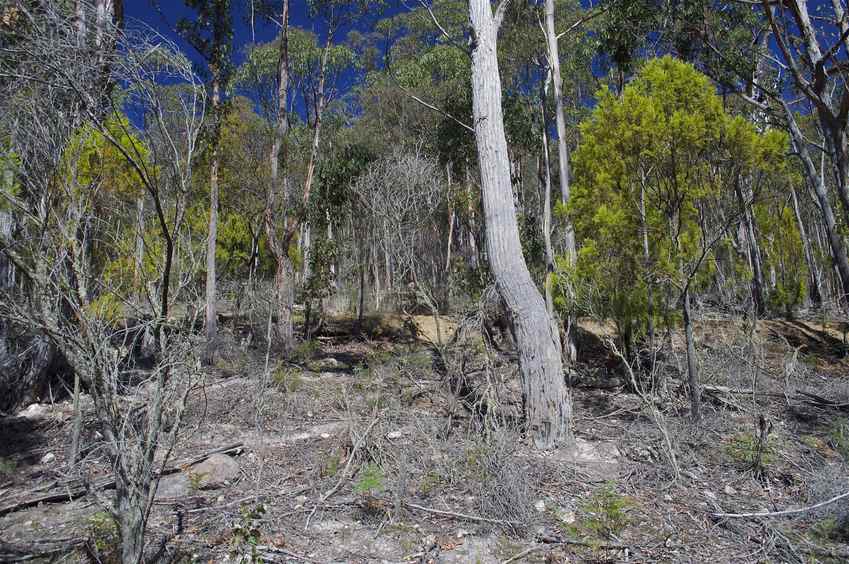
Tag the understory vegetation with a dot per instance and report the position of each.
(431, 281)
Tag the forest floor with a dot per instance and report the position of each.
(359, 452)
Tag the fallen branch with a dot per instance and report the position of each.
(77, 489)
(38, 549)
(284, 552)
(780, 513)
(462, 515)
(356, 448)
(567, 542)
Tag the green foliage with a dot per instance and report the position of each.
(604, 515)
(746, 449)
(838, 437)
(664, 158)
(7, 469)
(370, 480)
(286, 378)
(9, 186)
(103, 535)
(247, 535)
(93, 161)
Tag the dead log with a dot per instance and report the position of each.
(76, 489)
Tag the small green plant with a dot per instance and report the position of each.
(304, 351)
(287, 378)
(838, 437)
(246, 535)
(430, 482)
(103, 534)
(370, 481)
(746, 448)
(604, 515)
(330, 466)
(7, 468)
(196, 480)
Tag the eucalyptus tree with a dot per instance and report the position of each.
(809, 50)
(547, 402)
(211, 34)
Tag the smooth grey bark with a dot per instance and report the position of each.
(545, 181)
(817, 182)
(212, 238)
(692, 363)
(569, 245)
(815, 289)
(547, 401)
(279, 189)
(754, 249)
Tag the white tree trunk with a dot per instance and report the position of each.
(547, 402)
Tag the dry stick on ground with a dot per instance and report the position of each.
(462, 515)
(537, 548)
(344, 476)
(781, 513)
(71, 492)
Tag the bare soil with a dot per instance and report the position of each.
(359, 452)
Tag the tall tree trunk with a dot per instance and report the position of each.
(212, 237)
(547, 402)
(745, 203)
(815, 289)
(545, 181)
(279, 189)
(692, 363)
(563, 160)
(817, 182)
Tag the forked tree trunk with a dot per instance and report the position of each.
(212, 237)
(547, 402)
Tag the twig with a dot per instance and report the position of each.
(71, 491)
(781, 513)
(566, 542)
(344, 476)
(356, 448)
(275, 550)
(462, 515)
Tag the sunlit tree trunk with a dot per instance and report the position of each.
(212, 237)
(278, 189)
(547, 402)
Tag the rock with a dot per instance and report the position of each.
(35, 411)
(393, 435)
(710, 495)
(176, 485)
(667, 497)
(566, 516)
(539, 506)
(729, 490)
(48, 458)
(216, 471)
(325, 435)
(462, 533)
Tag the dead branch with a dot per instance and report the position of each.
(780, 513)
(462, 515)
(76, 489)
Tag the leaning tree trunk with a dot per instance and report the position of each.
(547, 402)
(817, 182)
(212, 237)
